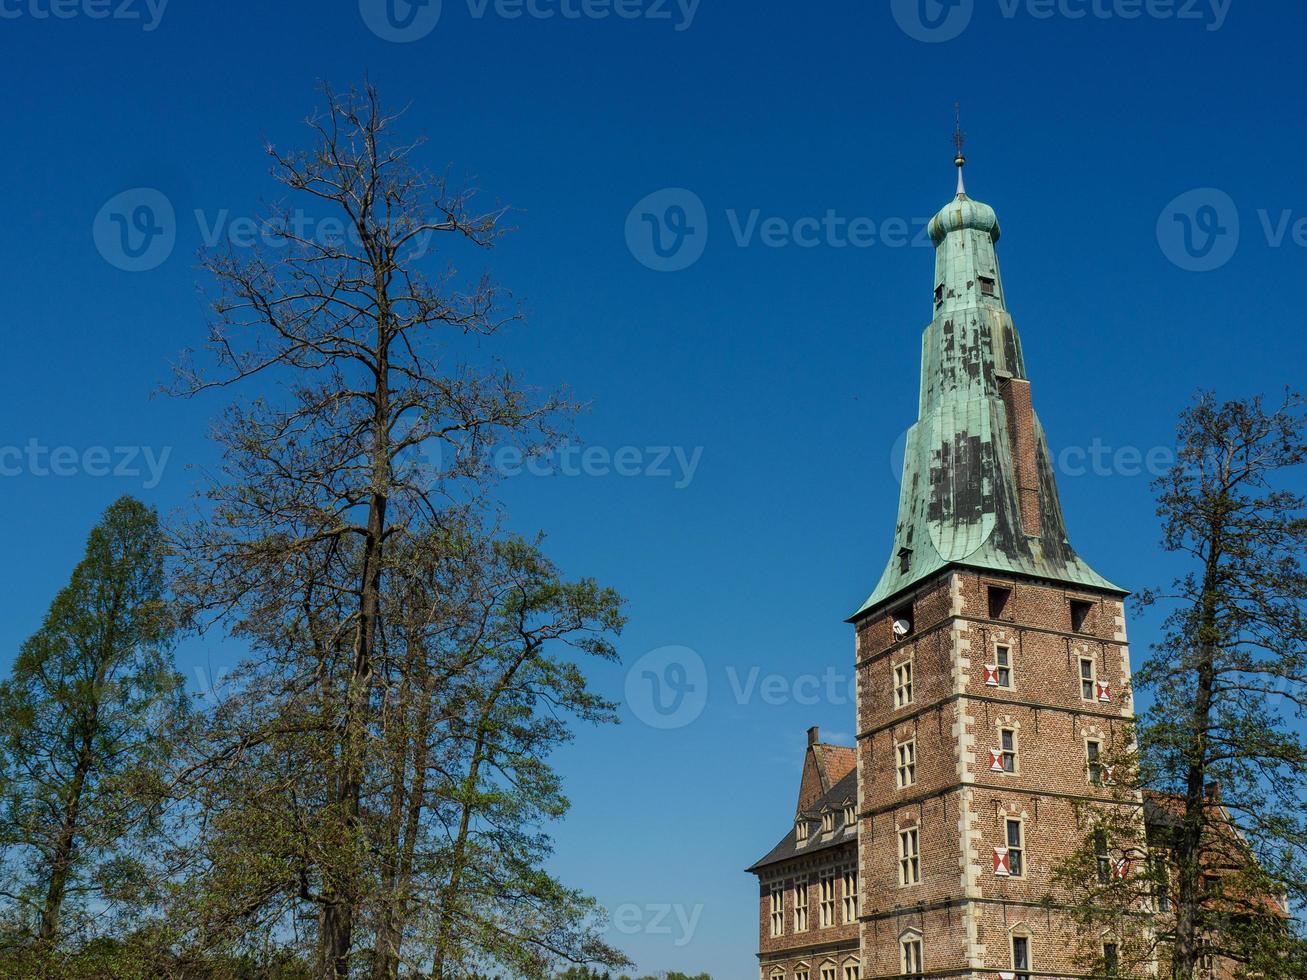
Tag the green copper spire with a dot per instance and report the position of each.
(978, 486)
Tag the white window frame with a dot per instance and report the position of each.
(852, 969)
(826, 906)
(911, 948)
(1095, 771)
(909, 857)
(801, 905)
(1089, 683)
(903, 684)
(829, 971)
(905, 762)
(1019, 971)
(777, 910)
(1001, 668)
(828, 822)
(1010, 756)
(850, 892)
(1016, 855)
(801, 830)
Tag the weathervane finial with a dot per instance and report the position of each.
(959, 138)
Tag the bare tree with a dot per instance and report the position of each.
(364, 440)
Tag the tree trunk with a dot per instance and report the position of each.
(337, 936)
(1188, 934)
(61, 857)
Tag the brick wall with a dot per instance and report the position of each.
(965, 914)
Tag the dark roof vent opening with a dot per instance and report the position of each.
(1080, 611)
(986, 286)
(998, 597)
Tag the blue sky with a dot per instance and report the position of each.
(803, 145)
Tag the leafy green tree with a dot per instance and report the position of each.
(1221, 763)
(87, 719)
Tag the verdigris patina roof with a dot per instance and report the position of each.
(961, 500)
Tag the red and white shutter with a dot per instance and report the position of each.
(1121, 869)
(1002, 868)
(1104, 691)
(996, 761)
(991, 676)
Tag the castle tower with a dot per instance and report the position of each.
(992, 660)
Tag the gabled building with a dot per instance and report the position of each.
(993, 672)
(808, 915)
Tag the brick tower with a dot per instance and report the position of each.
(992, 661)
(993, 675)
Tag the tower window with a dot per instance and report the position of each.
(1016, 850)
(1094, 756)
(801, 830)
(903, 684)
(986, 286)
(1088, 679)
(906, 753)
(1003, 665)
(910, 953)
(1162, 881)
(909, 857)
(1021, 957)
(998, 597)
(828, 822)
(1080, 611)
(1102, 857)
(1008, 749)
(939, 294)
(905, 560)
(850, 816)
